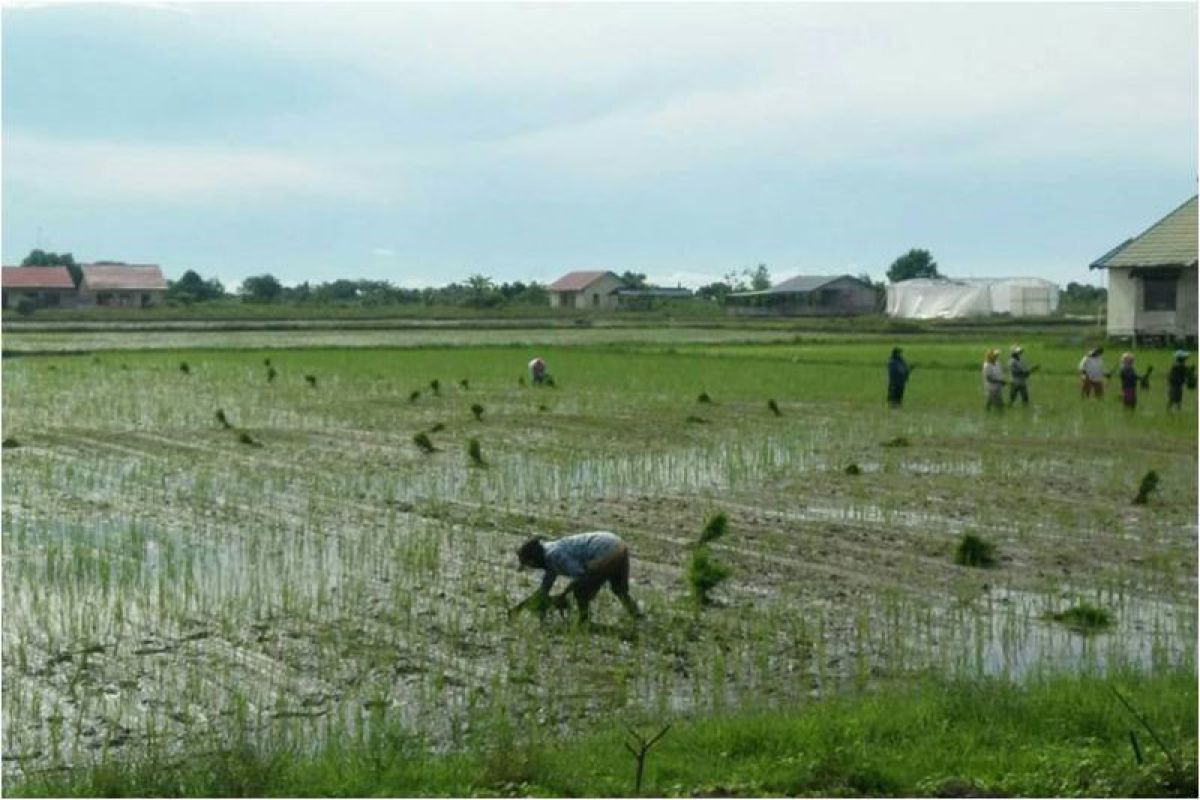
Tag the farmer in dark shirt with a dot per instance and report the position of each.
(1179, 376)
(1130, 380)
(898, 372)
(589, 559)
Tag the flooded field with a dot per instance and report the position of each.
(308, 571)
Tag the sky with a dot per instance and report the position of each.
(423, 143)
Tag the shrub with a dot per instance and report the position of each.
(974, 551)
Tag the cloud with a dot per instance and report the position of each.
(383, 252)
(109, 171)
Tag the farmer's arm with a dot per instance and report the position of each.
(540, 599)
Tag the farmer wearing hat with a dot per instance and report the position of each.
(537, 371)
(589, 559)
(1179, 376)
(1092, 374)
(993, 380)
(1130, 380)
(898, 372)
(1019, 374)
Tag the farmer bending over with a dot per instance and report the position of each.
(589, 559)
(537, 371)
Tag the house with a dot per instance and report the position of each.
(585, 290)
(37, 287)
(1152, 280)
(948, 298)
(650, 297)
(127, 285)
(807, 295)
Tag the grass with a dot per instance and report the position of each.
(1056, 736)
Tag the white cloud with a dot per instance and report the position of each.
(383, 252)
(98, 170)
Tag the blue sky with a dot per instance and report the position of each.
(424, 143)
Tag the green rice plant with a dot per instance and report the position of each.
(705, 574)
(311, 380)
(543, 407)
(771, 404)
(435, 386)
(246, 439)
(974, 551)
(414, 395)
(1084, 618)
(184, 368)
(853, 469)
(703, 398)
(271, 373)
(437, 427)
(1148, 484)
(695, 420)
(221, 418)
(549, 381)
(477, 410)
(10, 442)
(475, 453)
(897, 441)
(424, 443)
(465, 384)
(716, 527)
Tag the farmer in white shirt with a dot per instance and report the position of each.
(589, 559)
(537, 371)
(1092, 374)
(993, 380)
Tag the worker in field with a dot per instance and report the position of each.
(898, 371)
(590, 560)
(537, 371)
(1092, 374)
(1018, 374)
(1130, 380)
(993, 381)
(1180, 375)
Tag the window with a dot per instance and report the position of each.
(1158, 294)
(595, 300)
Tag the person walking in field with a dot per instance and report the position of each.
(590, 560)
(993, 381)
(898, 371)
(1018, 373)
(1130, 380)
(1092, 374)
(537, 371)
(1180, 375)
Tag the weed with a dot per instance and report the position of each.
(898, 441)
(1084, 618)
(422, 441)
(771, 404)
(221, 418)
(1149, 484)
(312, 380)
(246, 439)
(974, 551)
(703, 398)
(853, 469)
(475, 453)
(10, 442)
(477, 410)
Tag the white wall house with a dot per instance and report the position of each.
(1152, 279)
(585, 290)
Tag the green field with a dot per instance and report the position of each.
(170, 588)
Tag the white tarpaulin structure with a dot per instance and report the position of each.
(942, 298)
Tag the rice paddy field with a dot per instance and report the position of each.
(304, 571)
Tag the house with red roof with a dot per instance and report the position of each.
(127, 285)
(37, 287)
(594, 289)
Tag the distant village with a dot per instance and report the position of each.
(1152, 288)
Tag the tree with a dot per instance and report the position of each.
(482, 291)
(40, 258)
(759, 277)
(915, 263)
(191, 288)
(633, 280)
(714, 291)
(261, 289)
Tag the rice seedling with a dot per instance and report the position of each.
(695, 420)
(771, 404)
(10, 442)
(266, 362)
(1149, 484)
(424, 443)
(464, 384)
(474, 453)
(437, 427)
(222, 419)
(246, 439)
(853, 469)
(704, 572)
(435, 386)
(703, 398)
(477, 411)
(271, 373)
(714, 528)
(974, 551)
(543, 407)
(549, 381)
(311, 380)
(184, 368)
(414, 395)
(897, 441)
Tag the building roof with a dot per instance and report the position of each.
(37, 278)
(1170, 242)
(655, 291)
(801, 284)
(123, 277)
(578, 281)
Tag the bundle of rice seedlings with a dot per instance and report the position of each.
(247, 439)
(899, 441)
(464, 384)
(475, 453)
(312, 380)
(435, 386)
(270, 373)
(692, 418)
(703, 398)
(1149, 484)
(414, 395)
(184, 368)
(10, 442)
(715, 528)
(549, 381)
(771, 404)
(423, 442)
(853, 469)
(543, 408)
(1084, 618)
(705, 574)
(975, 551)
(266, 362)
(221, 418)
(477, 410)
(437, 428)
(520, 380)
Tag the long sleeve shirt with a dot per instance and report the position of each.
(1018, 371)
(1092, 368)
(570, 555)
(897, 371)
(993, 377)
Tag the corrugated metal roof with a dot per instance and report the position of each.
(124, 277)
(577, 281)
(1170, 242)
(37, 278)
(801, 284)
